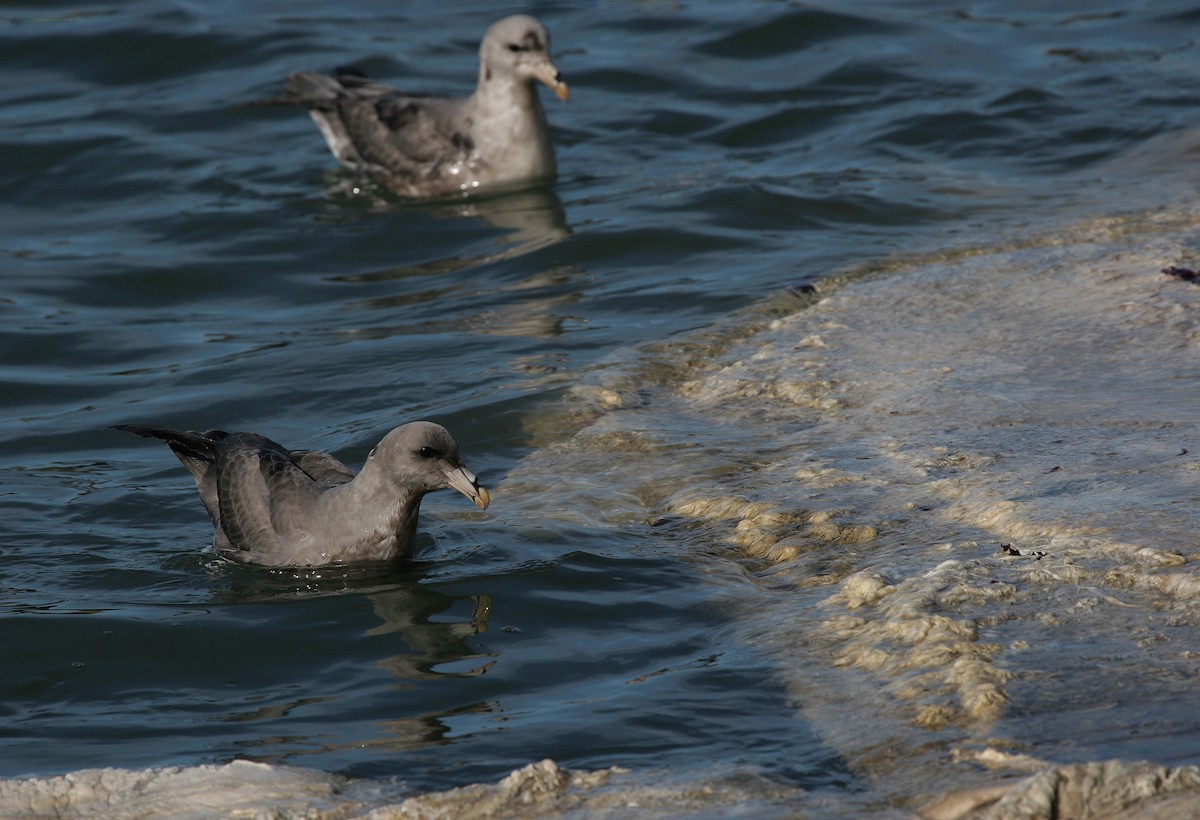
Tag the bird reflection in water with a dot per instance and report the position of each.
(407, 610)
(433, 650)
(531, 218)
(535, 306)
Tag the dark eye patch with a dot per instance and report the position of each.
(427, 452)
(530, 42)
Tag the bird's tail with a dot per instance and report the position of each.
(307, 88)
(197, 446)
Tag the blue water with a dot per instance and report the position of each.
(172, 258)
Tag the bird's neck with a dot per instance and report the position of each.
(388, 521)
(402, 524)
(511, 127)
(495, 95)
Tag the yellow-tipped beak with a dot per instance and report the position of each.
(463, 480)
(549, 76)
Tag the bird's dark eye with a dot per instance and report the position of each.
(514, 48)
(427, 452)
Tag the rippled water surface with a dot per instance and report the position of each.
(172, 258)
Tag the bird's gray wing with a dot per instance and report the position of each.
(374, 127)
(262, 494)
(321, 467)
(423, 132)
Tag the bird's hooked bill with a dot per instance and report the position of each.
(549, 76)
(463, 480)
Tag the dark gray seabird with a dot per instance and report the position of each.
(278, 507)
(424, 146)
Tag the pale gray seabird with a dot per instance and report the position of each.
(278, 507)
(425, 146)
